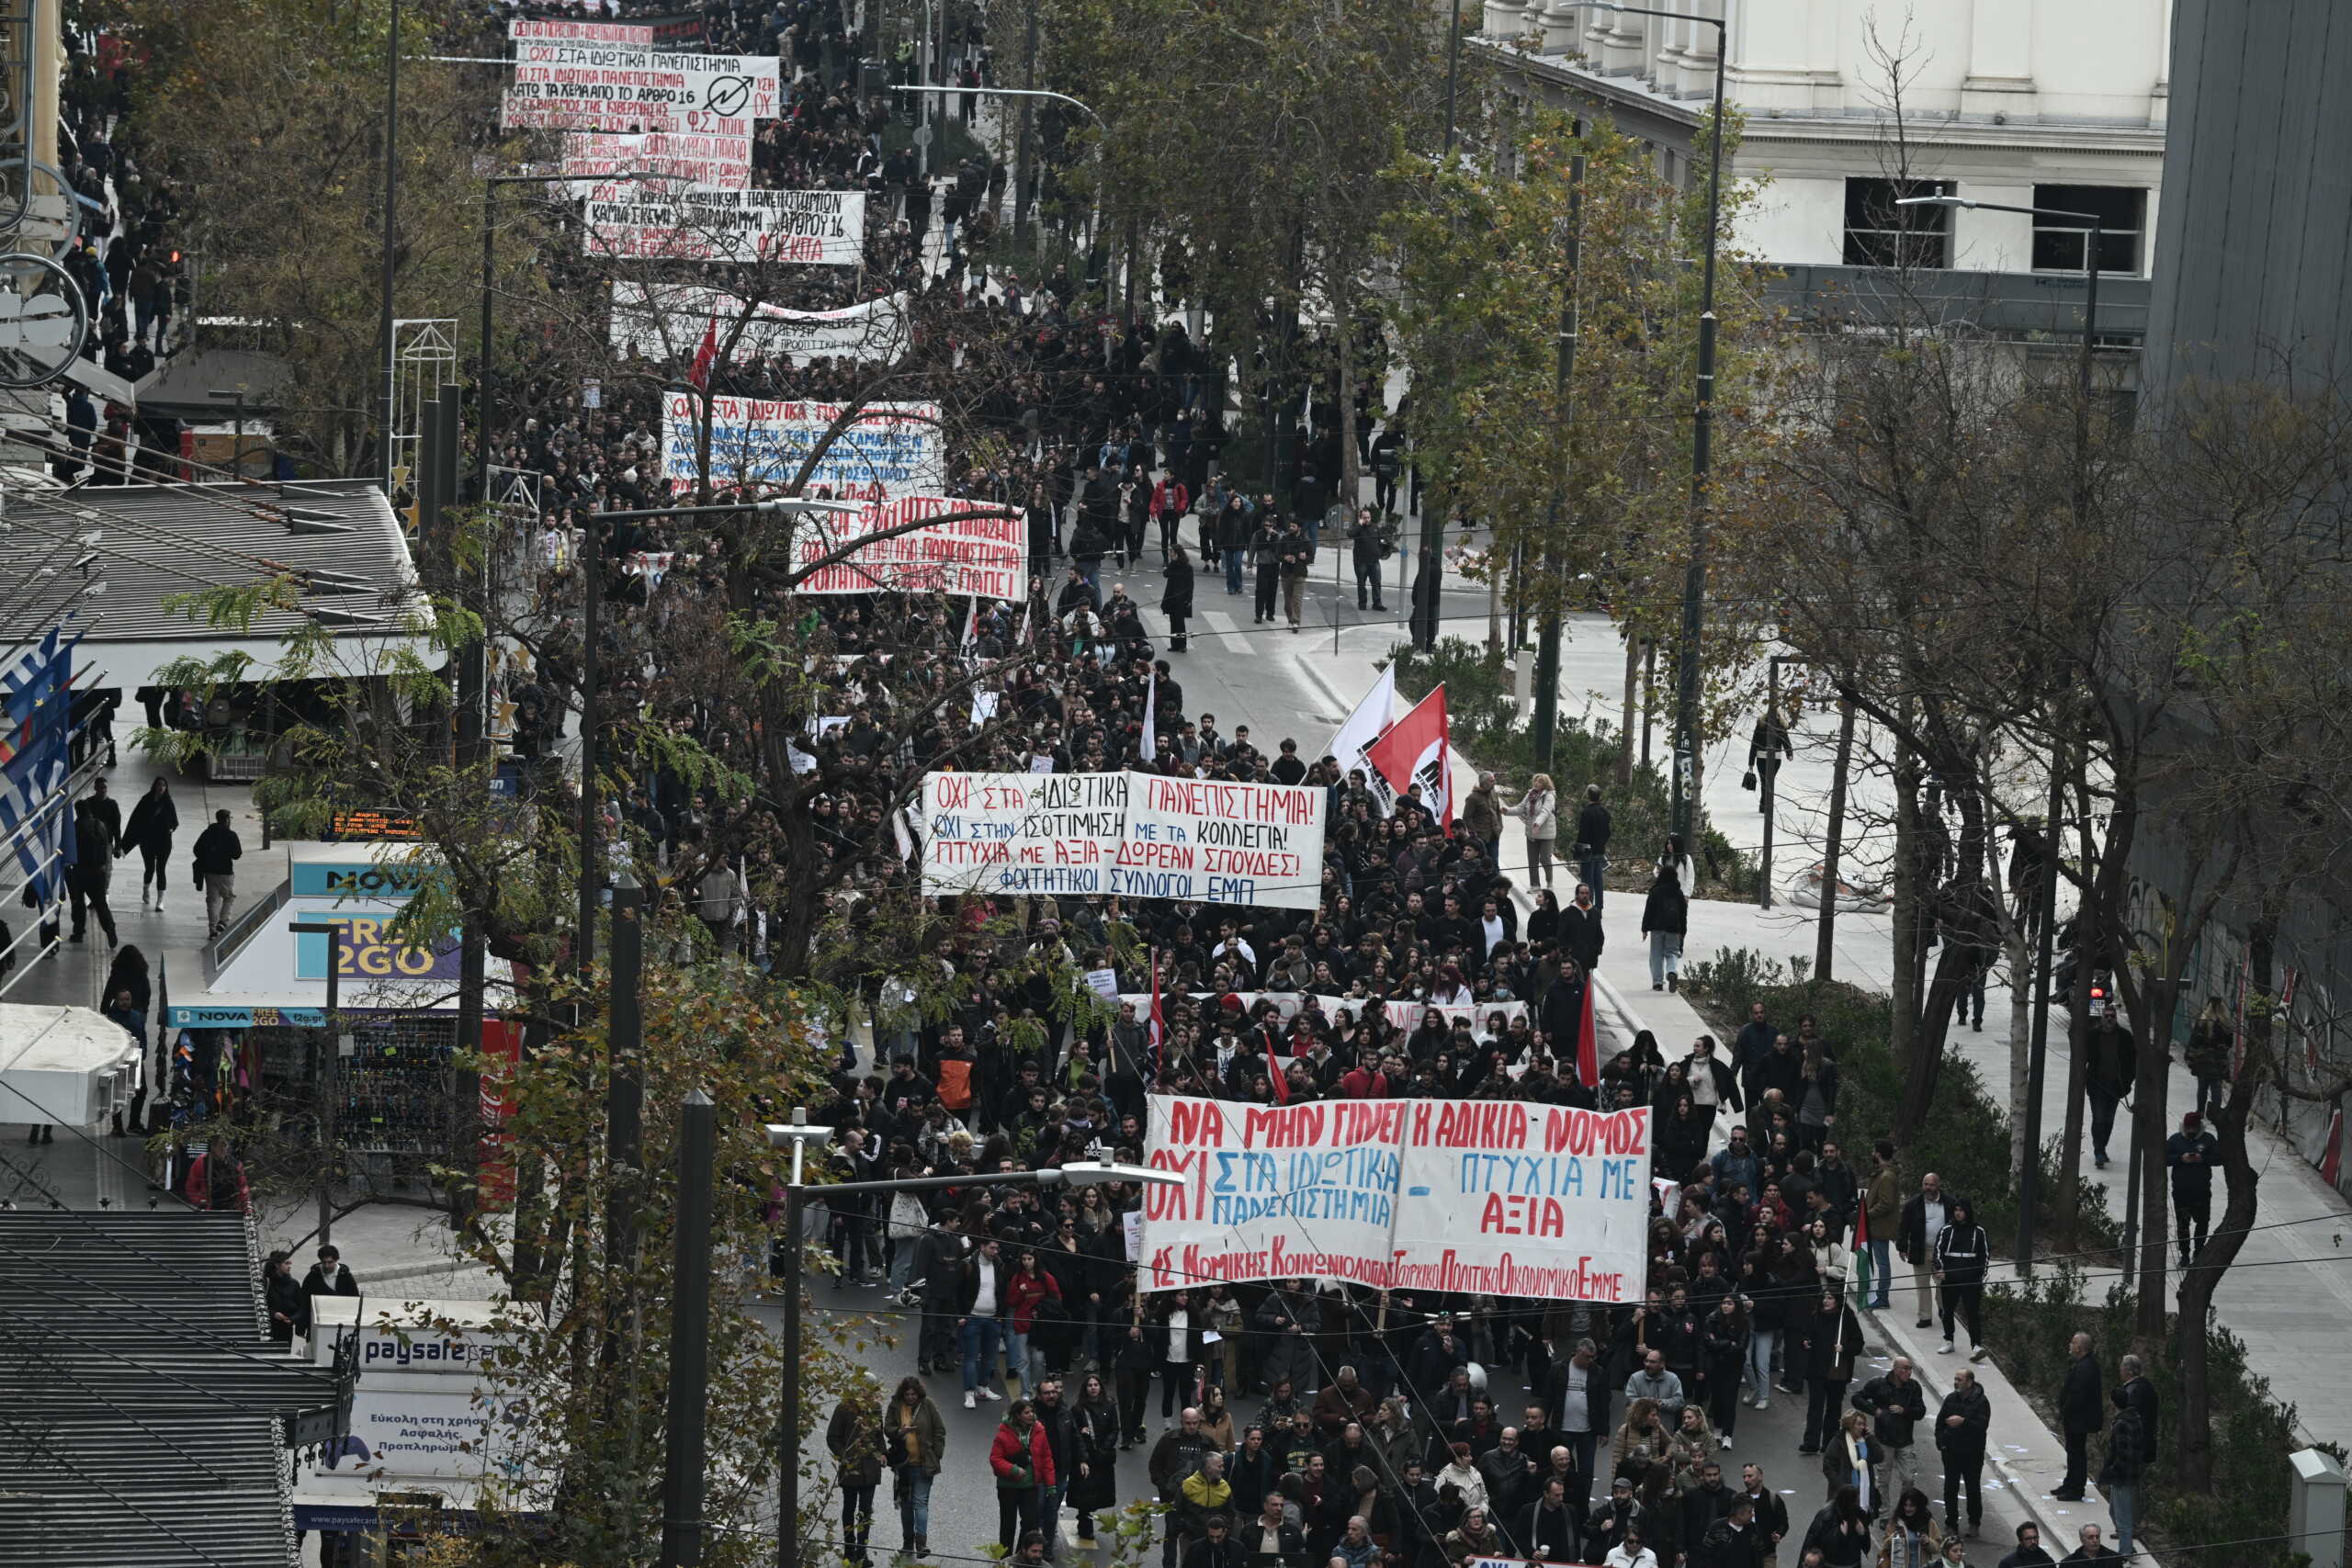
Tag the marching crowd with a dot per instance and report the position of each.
(1299, 1422)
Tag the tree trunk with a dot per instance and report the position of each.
(1826, 942)
(1625, 729)
(2193, 1457)
(1904, 992)
(2021, 983)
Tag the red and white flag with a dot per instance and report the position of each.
(1414, 751)
(704, 357)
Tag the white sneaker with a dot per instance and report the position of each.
(1727, 1440)
(969, 1403)
(1944, 1348)
(991, 1396)
(1763, 1405)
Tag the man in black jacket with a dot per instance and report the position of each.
(1895, 1404)
(1962, 1424)
(1732, 1541)
(329, 1276)
(218, 850)
(2082, 1408)
(1581, 934)
(1592, 844)
(1546, 1530)
(1266, 558)
(2109, 1066)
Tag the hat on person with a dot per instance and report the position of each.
(2191, 1121)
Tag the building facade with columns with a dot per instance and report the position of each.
(2030, 102)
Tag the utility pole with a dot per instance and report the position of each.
(1547, 654)
(329, 1068)
(2038, 1054)
(1825, 943)
(685, 1453)
(391, 233)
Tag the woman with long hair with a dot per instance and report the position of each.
(914, 1440)
(1094, 1451)
(1723, 1351)
(1912, 1539)
(1841, 1531)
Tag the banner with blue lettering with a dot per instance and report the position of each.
(1495, 1197)
(1130, 835)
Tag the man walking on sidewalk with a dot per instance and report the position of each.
(1895, 1404)
(218, 850)
(1592, 845)
(1884, 1201)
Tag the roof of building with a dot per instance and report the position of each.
(144, 1414)
(156, 542)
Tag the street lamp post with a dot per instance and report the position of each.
(2029, 1179)
(798, 1134)
(330, 1066)
(1702, 432)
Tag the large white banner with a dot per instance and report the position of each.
(1496, 1197)
(1125, 835)
(667, 321)
(722, 163)
(819, 227)
(888, 450)
(987, 556)
(666, 91)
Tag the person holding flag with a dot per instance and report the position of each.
(1418, 749)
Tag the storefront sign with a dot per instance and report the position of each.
(367, 951)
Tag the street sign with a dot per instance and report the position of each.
(922, 135)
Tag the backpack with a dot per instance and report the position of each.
(956, 1084)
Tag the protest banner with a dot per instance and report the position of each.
(1511, 1198)
(982, 556)
(1271, 1192)
(818, 228)
(1021, 832)
(666, 322)
(563, 29)
(568, 72)
(1222, 843)
(1150, 836)
(693, 158)
(1488, 1197)
(888, 450)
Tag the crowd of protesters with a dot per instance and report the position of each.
(1298, 1421)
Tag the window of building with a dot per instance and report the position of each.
(2122, 212)
(1879, 234)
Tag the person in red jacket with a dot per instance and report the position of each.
(1022, 1458)
(1028, 1286)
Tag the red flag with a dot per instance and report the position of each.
(1414, 751)
(1587, 1040)
(1275, 1070)
(700, 375)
